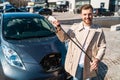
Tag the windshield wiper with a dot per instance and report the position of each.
(12, 38)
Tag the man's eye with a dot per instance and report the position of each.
(90, 14)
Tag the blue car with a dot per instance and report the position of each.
(30, 49)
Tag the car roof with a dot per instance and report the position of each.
(44, 9)
(20, 14)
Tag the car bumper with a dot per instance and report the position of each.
(13, 73)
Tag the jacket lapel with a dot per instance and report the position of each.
(90, 37)
(83, 35)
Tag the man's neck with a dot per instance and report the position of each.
(86, 25)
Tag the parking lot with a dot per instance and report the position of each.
(110, 65)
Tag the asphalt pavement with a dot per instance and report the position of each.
(110, 65)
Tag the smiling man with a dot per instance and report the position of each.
(90, 37)
(87, 15)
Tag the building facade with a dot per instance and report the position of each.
(100, 3)
(75, 4)
(112, 5)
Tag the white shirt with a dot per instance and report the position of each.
(81, 62)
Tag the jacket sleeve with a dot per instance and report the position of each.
(101, 46)
(62, 35)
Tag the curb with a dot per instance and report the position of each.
(115, 27)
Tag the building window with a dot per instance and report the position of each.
(102, 5)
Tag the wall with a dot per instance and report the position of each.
(71, 5)
(96, 3)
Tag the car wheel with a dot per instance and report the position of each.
(112, 14)
(95, 16)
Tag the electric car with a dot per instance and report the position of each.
(30, 49)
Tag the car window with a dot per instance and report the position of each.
(104, 10)
(47, 9)
(95, 10)
(24, 28)
(41, 9)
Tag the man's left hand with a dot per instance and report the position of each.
(94, 64)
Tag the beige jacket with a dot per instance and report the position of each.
(95, 44)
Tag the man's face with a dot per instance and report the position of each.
(87, 16)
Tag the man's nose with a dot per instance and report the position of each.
(87, 16)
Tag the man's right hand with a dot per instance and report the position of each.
(54, 21)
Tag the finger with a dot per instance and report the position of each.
(94, 66)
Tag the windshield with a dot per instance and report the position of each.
(24, 28)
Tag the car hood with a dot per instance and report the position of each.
(33, 50)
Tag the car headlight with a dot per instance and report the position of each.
(12, 57)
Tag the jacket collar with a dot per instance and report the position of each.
(81, 26)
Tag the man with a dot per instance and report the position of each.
(90, 38)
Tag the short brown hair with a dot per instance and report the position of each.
(86, 6)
